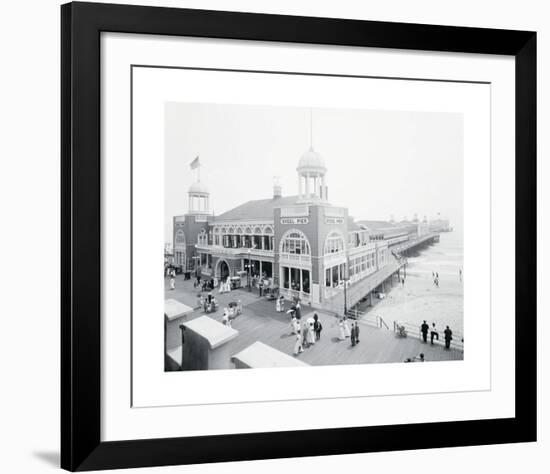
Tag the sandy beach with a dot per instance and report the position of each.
(420, 298)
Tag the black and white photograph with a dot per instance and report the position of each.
(346, 197)
(308, 236)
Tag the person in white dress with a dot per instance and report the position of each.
(310, 332)
(278, 305)
(341, 333)
(298, 348)
(172, 283)
(347, 331)
(293, 327)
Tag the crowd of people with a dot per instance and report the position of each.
(307, 332)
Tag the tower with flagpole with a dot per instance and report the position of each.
(198, 194)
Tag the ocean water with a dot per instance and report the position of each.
(420, 299)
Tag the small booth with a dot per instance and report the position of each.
(173, 309)
(261, 356)
(205, 344)
(235, 282)
(174, 314)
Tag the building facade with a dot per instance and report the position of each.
(309, 248)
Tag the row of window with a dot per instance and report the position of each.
(364, 264)
(246, 230)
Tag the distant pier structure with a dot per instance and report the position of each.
(402, 239)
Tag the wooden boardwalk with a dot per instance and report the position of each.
(260, 322)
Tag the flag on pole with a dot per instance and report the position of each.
(195, 163)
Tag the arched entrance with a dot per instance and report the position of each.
(222, 269)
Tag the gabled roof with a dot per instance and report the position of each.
(259, 209)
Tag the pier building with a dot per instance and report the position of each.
(303, 244)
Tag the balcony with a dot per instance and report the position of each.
(231, 251)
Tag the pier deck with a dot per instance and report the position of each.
(260, 322)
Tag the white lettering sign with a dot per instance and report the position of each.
(294, 220)
(334, 220)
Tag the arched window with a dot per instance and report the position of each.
(295, 242)
(216, 230)
(334, 243)
(248, 231)
(203, 238)
(257, 231)
(268, 230)
(239, 230)
(180, 237)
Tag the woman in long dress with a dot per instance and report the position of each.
(298, 345)
(293, 327)
(341, 333)
(278, 305)
(310, 333)
(347, 331)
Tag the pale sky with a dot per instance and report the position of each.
(379, 162)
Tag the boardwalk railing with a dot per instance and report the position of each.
(401, 328)
(373, 320)
(404, 329)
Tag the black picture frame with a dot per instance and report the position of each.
(81, 25)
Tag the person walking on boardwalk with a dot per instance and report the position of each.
(424, 328)
(298, 310)
(357, 332)
(293, 328)
(341, 333)
(172, 283)
(317, 326)
(352, 334)
(311, 332)
(433, 333)
(278, 305)
(448, 337)
(305, 329)
(347, 332)
(298, 346)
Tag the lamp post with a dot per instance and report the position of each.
(248, 270)
(346, 279)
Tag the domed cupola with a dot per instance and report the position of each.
(199, 198)
(311, 161)
(311, 177)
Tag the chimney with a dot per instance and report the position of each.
(277, 189)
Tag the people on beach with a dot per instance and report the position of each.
(420, 358)
(424, 328)
(352, 335)
(448, 337)
(356, 332)
(433, 333)
(317, 326)
(403, 282)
